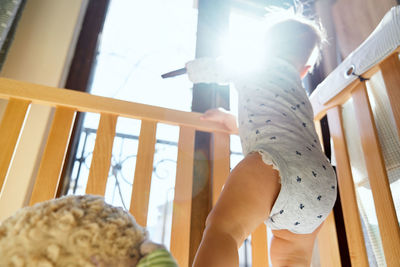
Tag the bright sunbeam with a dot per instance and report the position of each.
(243, 49)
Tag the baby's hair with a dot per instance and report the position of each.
(290, 33)
(70, 231)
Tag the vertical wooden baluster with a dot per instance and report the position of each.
(259, 246)
(102, 153)
(390, 68)
(351, 215)
(221, 163)
(48, 177)
(10, 130)
(328, 244)
(143, 172)
(180, 232)
(318, 129)
(386, 214)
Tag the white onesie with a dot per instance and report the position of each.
(276, 120)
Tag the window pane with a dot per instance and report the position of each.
(140, 41)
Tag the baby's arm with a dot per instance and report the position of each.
(207, 70)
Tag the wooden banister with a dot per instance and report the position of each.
(320, 107)
(385, 211)
(102, 152)
(52, 162)
(85, 102)
(181, 215)
(10, 130)
(67, 102)
(351, 216)
(143, 172)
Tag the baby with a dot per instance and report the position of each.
(77, 231)
(284, 180)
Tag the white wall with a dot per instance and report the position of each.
(40, 53)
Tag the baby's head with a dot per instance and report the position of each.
(74, 231)
(297, 39)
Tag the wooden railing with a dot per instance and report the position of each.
(386, 214)
(21, 95)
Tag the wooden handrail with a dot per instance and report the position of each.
(85, 102)
(320, 108)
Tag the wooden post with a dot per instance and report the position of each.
(259, 246)
(328, 244)
(351, 215)
(384, 207)
(181, 215)
(390, 68)
(10, 130)
(102, 155)
(221, 163)
(48, 177)
(143, 172)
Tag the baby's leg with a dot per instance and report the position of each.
(245, 203)
(294, 250)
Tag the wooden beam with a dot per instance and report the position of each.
(384, 207)
(48, 177)
(351, 215)
(143, 172)
(10, 131)
(221, 153)
(390, 68)
(328, 244)
(102, 153)
(259, 246)
(321, 106)
(84, 102)
(181, 215)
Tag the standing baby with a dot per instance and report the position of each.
(284, 180)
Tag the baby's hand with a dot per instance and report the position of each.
(222, 116)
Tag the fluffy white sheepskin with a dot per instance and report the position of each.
(71, 231)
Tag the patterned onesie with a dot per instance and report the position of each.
(276, 120)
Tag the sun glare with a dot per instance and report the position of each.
(243, 48)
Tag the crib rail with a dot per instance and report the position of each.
(386, 214)
(21, 95)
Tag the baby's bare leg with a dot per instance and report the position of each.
(245, 203)
(294, 250)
